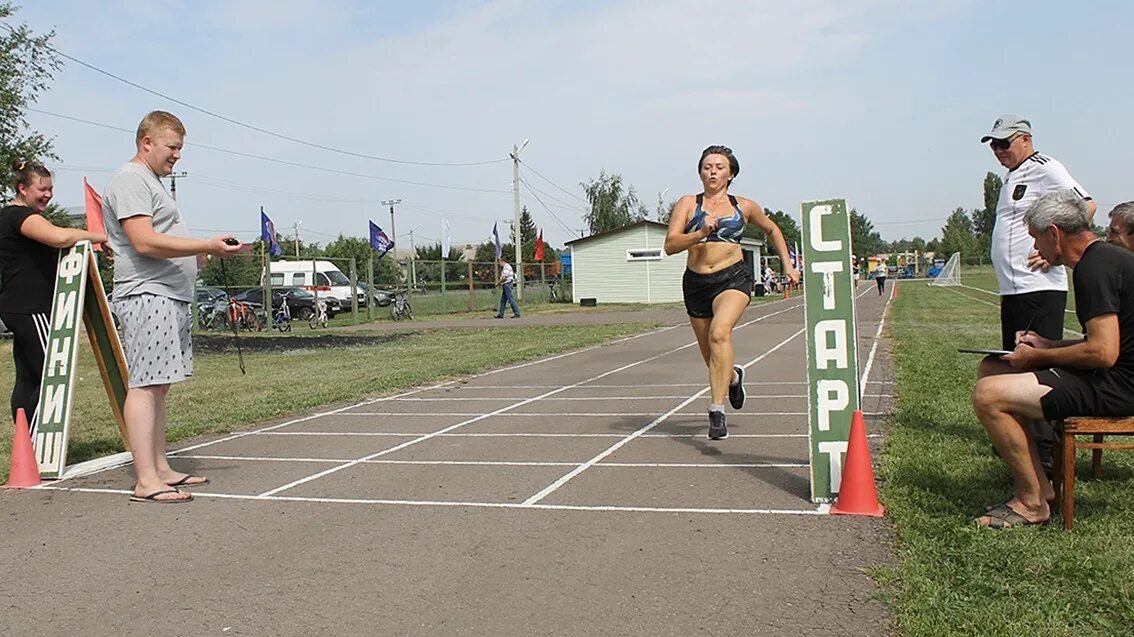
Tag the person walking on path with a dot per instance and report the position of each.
(154, 272)
(29, 256)
(717, 284)
(880, 274)
(507, 297)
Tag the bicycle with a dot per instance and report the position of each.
(243, 316)
(319, 318)
(400, 307)
(281, 320)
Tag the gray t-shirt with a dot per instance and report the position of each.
(135, 190)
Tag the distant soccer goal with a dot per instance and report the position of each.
(951, 273)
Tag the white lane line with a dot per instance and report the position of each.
(459, 399)
(511, 463)
(820, 510)
(551, 488)
(634, 386)
(561, 414)
(494, 434)
(874, 346)
(428, 436)
(1066, 330)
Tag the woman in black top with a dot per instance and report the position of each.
(29, 254)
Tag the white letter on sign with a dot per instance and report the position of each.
(835, 352)
(65, 310)
(817, 241)
(828, 269)
(834, 450)
(71, 265)
(51, 411)
(833, 396)
(58, 357)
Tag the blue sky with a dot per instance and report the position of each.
(880, 102)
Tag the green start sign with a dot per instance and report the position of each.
(832, 355)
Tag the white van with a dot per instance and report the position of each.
(321, 276)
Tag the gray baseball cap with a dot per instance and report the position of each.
(1007, 126)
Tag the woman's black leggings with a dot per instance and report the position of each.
(29, 346)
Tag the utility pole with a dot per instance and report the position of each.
(516, 211)
(297, 239)
(173, 183)
(413, 261)
(393, 232)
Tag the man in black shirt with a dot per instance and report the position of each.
(1093, 376)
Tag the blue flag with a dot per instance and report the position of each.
(268, 235)
(496, 238)
(379, 242)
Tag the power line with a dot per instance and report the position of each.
(553, 215)
(562, 204)
(282, 161)
(569, 193)
(264, 130)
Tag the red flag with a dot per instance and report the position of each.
(539, 247)
(94, 212)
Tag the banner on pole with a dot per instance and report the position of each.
(832, 354)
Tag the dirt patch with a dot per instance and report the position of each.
(217, 343)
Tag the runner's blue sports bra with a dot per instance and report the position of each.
(729, 230)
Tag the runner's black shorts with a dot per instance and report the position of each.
(1086, 392)
(701, 289)
(1016, 310)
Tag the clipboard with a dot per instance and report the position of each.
(990, 352)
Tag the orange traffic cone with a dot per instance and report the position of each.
(857, 494)
(25, 470)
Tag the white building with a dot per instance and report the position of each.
(629, 265)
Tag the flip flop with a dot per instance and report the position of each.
(185, 482)
(1005, 517)
(153, 497)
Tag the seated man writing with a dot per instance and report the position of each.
(1053, 380)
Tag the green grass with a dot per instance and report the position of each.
(938, 473)
(219, 398)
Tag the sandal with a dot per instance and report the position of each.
(1005, 517)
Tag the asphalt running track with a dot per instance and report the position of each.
(574, 495)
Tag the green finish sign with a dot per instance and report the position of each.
(78, 296)
(832, 354)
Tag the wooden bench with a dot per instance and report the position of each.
(1063, 471)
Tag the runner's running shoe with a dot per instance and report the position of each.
(736, 392)
(718, 430)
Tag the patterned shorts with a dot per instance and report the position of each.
(155, 332)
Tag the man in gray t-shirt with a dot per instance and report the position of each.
(154, 272)
(133, 190)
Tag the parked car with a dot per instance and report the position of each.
(210, 295)
(382, 297)
(300, 302)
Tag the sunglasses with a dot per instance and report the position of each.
(1002, 144)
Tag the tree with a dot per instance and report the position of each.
(984, 219)
(613, 204)
(788, 227)
(664, 213)
(528, 233)
(58, 215)
(865, 241)
(957, 235)
(27, 64)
